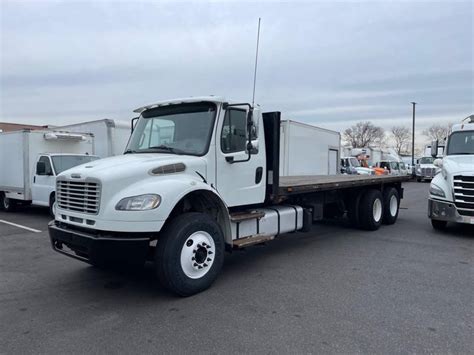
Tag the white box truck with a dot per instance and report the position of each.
(300, 141)
(201, 176)
(452, 188)
(110, 137)
(30, 161)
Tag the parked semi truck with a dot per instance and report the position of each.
(30, 161)
(201, 176)
(452, 189)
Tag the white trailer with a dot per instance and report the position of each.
(308, 150)
(30, 161)
(110, 137)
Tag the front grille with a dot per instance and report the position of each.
(464, 194)
(78, 196)
(428, 172)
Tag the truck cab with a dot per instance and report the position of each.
(451, 196)
(48, 166)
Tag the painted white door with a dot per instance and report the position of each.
(332, 162)
(239, 181)
(43, 183)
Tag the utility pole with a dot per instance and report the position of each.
(413, 143)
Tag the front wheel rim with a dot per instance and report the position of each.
(393, 205)
(6, 203)
(377, 210)
(198, 254)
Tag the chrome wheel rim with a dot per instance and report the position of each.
(393, 205)
(198, 254)
(377, 210)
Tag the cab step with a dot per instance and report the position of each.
(244, 216)
(256, 239)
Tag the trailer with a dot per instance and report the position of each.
(111, 137)
(204, 175)
(30, 161)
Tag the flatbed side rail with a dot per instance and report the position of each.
(294, 185)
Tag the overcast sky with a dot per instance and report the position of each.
(327, 63)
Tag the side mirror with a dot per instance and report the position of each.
(438, 163)
(434, 148)
(254, 147)
(40, 168)
(133, 123)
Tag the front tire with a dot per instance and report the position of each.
(439, 225)
(371, 210)
(391, 205)
(52, 207)
(6, 204)
(189, 253)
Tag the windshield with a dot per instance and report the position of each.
(461, 143)
(427, 160)
(355, 162)
(64, 162)
(176, 129)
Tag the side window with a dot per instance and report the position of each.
(234, 131)
(47, 164)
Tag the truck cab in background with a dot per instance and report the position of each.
(451, 196)
(31, 160)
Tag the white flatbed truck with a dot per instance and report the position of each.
(30, 161)
(201, 176)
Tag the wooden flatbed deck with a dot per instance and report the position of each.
(291, 185)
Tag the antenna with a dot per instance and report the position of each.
(256, 60)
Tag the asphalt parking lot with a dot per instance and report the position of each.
(402, 289)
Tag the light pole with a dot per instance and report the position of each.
(413, 143)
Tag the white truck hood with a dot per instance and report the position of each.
(124, 167)
(454, 164)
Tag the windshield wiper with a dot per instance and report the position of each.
(166, 148)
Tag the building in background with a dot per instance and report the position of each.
(8, 127)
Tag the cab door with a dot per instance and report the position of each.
(239, 180)
(43, 182)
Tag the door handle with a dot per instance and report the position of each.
(258, 175)
(34, 179)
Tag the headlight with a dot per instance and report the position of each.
(139, 203)
(436, 191)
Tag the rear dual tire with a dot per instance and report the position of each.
(372, 208)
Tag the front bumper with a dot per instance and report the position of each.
(98, 248)
(446, 211)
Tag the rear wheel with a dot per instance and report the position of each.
(439, 225)
(7, 204)
(189, 253)
(391, 203)
(371, 210)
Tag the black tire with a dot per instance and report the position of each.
(439, 225)
(389, 197)
(171, 243)
(353, 210)
(52, 200)
(7, 204)
(368, 219)
(419, 179)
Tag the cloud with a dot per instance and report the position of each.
(330, 63)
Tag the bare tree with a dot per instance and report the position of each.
(401, 136)
(363, 134)
(437, 131)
